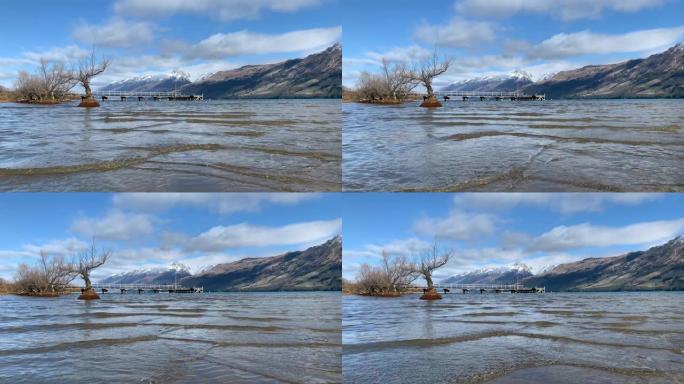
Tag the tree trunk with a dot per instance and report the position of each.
(88, 91)
(430, 91)
(431, 100)
(88, 100)
(88, 293)
(430, 293)
(88, 283)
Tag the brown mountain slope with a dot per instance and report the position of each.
(658, 268)
(315, 76)
(659, 75)
(318, 268)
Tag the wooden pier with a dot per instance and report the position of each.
(480, 288)
(483, 96)
(146, 288)
(142, 96)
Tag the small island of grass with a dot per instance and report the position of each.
(394, 276)
(52, 83)
(396, 81)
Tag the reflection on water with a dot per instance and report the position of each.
(508, 338)
(245, 145)
(603, 145)
(164, 338)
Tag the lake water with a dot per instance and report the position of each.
(572, 145)
(515, 338)
(236, 145)
(166, 338)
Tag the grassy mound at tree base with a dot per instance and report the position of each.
(89, 295)
(89, 103)
(431, 295)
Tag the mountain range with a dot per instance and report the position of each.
(317, 268)
(502, 275)
(658, 268)
(174, 273)
(316, 76)
(498, 83)
(160, 83)
(657, 76)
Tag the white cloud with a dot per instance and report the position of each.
(247, 235)
(564, 45)
(116, 33)
(225, 10)
(559, 202)
(400, 54)
(66, 54)
(586, 235)
(457, 34)
(62, 247)
(458, 225)
(561, 9)
(115, 226)
(224, 203)
(222, 45)
(370, 253)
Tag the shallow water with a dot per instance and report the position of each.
(509, 338)
(235, 145)
(571, 145)
(166, 338)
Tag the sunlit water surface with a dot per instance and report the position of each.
(572, 145)
(167, 338)
(235, 145)
(515, 338)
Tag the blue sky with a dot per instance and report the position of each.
(500, 229)
(493, 37)
(155, 230)
(154, 37)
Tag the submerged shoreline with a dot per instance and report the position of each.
(497, 146)
(503, 338)
(265, 145)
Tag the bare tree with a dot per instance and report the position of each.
(371, 280)
(27, 279)
(28, 86)
(50, 276)
(5, 286)
(56, 79)
(393, 84)
(51, 83)
(88, 68)
(56, 272)
(426, 263)
(85, 263)
(397, 271)
(370, 87)
(398, 80)
(428, 70)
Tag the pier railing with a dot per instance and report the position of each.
(516, 95)
(123, 95)
(135, 286)
(475, 94)
(446, 287)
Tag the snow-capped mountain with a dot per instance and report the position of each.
(173, 273)
(150, 83)
(499, 275)
(496, 83)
